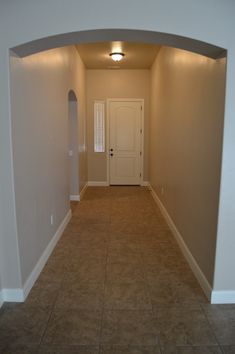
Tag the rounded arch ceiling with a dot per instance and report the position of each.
(101, 35)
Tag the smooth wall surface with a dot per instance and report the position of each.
(187, 110)
(103, 84)
(39, 96)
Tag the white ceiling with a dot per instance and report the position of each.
(137, 55)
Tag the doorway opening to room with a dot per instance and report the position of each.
(183, 95)
(73, 146)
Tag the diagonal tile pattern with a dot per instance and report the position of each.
(116, 283)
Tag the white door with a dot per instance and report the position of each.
(125, 142)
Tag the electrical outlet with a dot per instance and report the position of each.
(52, 219)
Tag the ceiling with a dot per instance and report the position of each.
(137, 55)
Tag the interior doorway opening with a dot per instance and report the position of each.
(163, 184)
(73, 146)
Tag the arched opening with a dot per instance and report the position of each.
(24, 50)
(73, 146)
(103, 35)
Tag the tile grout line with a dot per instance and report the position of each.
(105, 280)
(150, 297)
(51, 312)
(210, 326)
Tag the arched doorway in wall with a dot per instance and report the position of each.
(73, 146)
(82, 37)
(103, 35)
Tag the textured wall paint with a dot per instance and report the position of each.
(187, 105)
(39, 95)
(103, 84)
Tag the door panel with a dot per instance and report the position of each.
(125, 140)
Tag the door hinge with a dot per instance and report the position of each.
(140, 174)
(141, 108)
(140, 131)
(140, 153)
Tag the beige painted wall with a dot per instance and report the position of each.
(103, 84)
(187, 107)
(39, 95)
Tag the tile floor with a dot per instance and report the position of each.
(116, 284)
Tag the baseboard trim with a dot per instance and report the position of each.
(223, 297)
(13, 295)
(97, 184)
(78, 197)
(145, 184)
(83, 191)
(44, 257)
(186, 252)
(74, 198)
(19, 295)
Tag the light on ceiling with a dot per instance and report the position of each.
(117, 56)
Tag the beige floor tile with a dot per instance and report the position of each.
(22, 325)
(130, 349)
(129, 328)
(222, 321)
(43, 295)
(19, 349)
(167, 291)
(73, 349)
(229, 349)
(184, 325)
(73, 327)
(192, 350)
(81, 295)
(84, 272)
(127, 296)
(124, 255)
(124, 272)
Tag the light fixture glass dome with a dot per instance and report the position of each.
(117, 56)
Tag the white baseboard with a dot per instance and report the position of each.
(186, 252)
(78, 197)
(74, 198)
(13, 295)
(46, 254)
(223, 297)
(1, 299)
(97, 184)
(145, 184)
(83, 191)
(19, 295)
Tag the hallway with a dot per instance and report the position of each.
(116, 283)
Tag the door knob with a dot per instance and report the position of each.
(111, 154)
(111, 149)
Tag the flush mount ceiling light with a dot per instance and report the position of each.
(117, 56)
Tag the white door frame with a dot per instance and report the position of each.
(141, 100)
